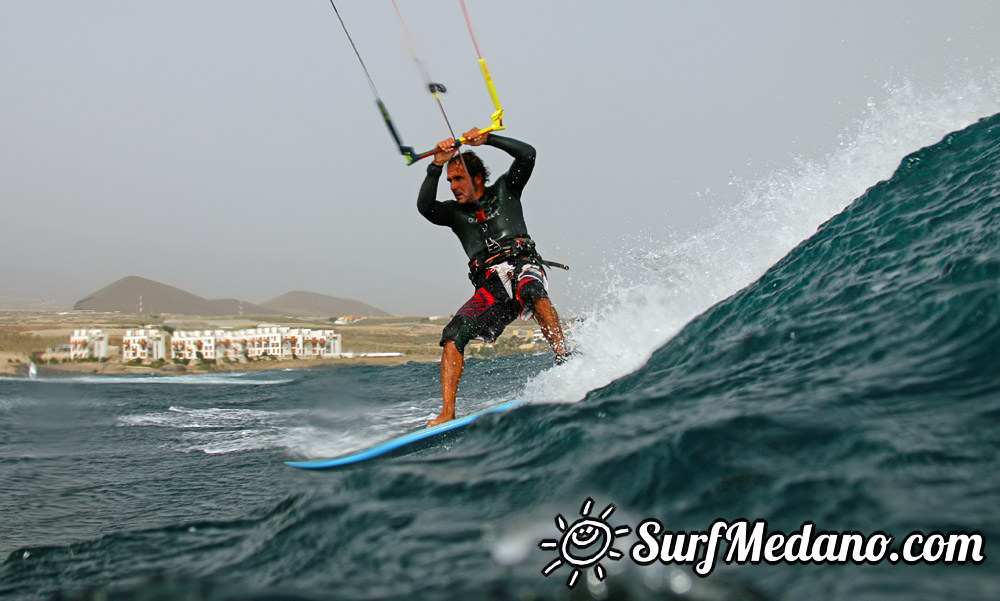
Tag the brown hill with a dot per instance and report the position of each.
(125, 294)
(312, 304)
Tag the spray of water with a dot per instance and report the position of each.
(659, 283)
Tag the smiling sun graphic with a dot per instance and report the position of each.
(584, 543)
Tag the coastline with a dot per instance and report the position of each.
(113, 368)
(26, 335)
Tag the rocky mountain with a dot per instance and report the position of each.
(312, 304)
(134, 294)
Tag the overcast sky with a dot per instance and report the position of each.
(232, 148)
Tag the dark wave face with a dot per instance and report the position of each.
(856, 385)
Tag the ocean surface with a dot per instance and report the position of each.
(829, 355)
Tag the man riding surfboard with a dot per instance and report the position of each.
(505, 269)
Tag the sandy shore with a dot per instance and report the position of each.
(13, 364)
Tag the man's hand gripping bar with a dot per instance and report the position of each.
(496, 119)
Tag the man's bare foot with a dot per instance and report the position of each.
(444, 417)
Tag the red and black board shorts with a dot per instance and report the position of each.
(492, 308)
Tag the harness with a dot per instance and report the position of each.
(518, 249)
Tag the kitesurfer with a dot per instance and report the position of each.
(504, 267)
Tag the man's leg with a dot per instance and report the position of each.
(531, 290)
(548, 321)
(482, 316)
(451, 372)
(463, 328)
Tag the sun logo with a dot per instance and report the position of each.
(584, 543)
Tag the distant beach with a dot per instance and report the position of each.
(27, 336)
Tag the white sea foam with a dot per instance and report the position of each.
(305, 432)
(660, 283)
(334, 434)
(181, 417)
(342, 433)
(235, 441)
(216, 430)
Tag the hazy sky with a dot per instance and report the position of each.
(232, 148)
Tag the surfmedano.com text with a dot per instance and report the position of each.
(754, 544)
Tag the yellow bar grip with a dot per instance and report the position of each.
(497, 117)
(486, 130)
(489, 83)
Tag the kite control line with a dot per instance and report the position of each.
(436, 89)
(406, 151)
(496, 120)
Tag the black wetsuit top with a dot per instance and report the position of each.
(496, 219)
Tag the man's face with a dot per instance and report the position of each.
(461, 186)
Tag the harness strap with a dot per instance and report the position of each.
(554, 264)
(523, 247)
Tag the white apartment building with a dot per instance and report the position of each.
(261, 341)
(188, 344)
(230, 345)
(320, 343)
(254, 343)
(86, 344)
(144, 345)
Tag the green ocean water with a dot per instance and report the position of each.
(855, 385)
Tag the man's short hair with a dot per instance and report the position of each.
(473, 165)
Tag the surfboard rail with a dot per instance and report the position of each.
(404, 443)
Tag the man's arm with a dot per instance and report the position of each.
(524, 159)
(428, 206)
